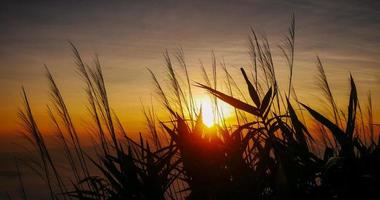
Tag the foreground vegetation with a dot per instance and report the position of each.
(269, 154)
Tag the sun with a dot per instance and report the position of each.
(211, 115)
(208, 115)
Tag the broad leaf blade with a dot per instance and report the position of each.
(232, 101)
(352, 109)
(338, 134)
(266, 100)
(252, 92)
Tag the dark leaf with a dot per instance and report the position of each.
(352, 109)
(340, 136)
(266, 101)
(232, 101)
(252, 92)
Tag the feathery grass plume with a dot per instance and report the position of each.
(181, 60)
(93, 110)
(179, 96)
(271, 69)
(96, 76)
(268, 61)
(160, 92)
(35, 137)
(63, 113)
(326, 90)
(94, 101)
(253, 54)
(287, 49)
(66, 145)
(265, 63)
(256, 49)
(97, 96)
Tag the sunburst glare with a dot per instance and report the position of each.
(211, 115)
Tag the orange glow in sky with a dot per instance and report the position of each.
(130, 37)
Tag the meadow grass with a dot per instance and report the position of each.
(269, 154)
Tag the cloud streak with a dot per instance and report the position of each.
(131, 35)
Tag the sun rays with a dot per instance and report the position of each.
(212, 114)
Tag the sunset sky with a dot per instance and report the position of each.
(130, 36)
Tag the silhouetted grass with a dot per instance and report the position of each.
(270, 154)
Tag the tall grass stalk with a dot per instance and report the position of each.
(34, 135)
(63, 113)
(326, 90)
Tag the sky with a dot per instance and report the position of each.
(131, 36)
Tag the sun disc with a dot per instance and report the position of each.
(209, 116)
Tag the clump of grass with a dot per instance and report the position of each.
(270, 154)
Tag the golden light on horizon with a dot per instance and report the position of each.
(211, 115)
